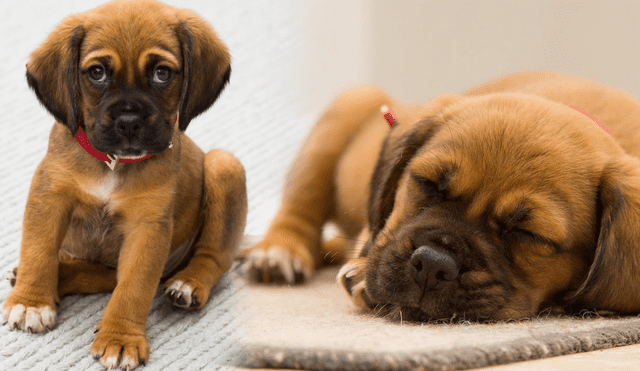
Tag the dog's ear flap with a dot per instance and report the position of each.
(396, 153)
(402, 143)
(613, 281)
(206, 66)
(53, 72)
(398, 149)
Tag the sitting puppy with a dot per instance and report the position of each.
(121, 186)
(490, 205)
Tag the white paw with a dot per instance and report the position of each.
(180, 294)
(351, 278)
(274, 264)
(30, 319)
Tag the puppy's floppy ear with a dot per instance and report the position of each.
(613, 281)
(398, 149)
(206, 66)
(53, 72)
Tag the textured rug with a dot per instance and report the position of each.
(314, 327)
(179, 340)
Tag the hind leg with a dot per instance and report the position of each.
(291, 249)
(79, 277)
(225, 215)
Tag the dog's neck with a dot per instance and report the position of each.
(110, 159)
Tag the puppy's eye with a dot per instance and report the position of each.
(434, 191)
(512, 230)
(161, 75)
(97, 74)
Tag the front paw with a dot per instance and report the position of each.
(120, 348)
(29, 313)
(351, 278)
(275, 263)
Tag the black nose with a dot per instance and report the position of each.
(128, 124)
(431, 268)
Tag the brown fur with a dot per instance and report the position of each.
(534, 203)
(178, 214)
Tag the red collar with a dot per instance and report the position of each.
(110, 160)
(81, 137)
(593, 118)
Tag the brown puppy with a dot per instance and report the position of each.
(131, 75)
(489, 205)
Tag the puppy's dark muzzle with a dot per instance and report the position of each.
(432, 268)
(128, 125)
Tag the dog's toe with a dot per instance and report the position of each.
(183, 294)
(30, 319)
(114, 350)
(351, 278)
(274, 264)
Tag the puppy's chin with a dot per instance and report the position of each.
(131, 154)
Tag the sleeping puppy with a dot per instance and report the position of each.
(123, 198)
(489, 205)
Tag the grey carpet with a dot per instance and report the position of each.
(315, 327)
(179, 340)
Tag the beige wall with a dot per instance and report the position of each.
(416, 49)
(422, 48)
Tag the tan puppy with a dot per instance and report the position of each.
(489, 205)
(131, 75)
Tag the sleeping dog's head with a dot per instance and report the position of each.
(496, 207)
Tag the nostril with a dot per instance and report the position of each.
(417, 265)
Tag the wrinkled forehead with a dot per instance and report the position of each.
(130, 39)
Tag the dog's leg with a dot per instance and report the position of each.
(290, 250)
(121, 340)
(84, 277)
(225, 215)
(31, 305)
(79, 277)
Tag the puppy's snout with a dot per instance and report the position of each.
(128, 124)
(128, 117)
(432, 268)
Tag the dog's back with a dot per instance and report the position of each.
(617, 110)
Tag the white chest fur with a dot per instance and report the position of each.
(104, 188)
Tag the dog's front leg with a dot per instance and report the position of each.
(121, 339)
(31, 305)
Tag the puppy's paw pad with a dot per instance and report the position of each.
(30, 319)
(120, 350)
(12, 275)
(182, 294)
(274, 265)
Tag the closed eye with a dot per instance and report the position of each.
(524, 234)
(435, 191)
